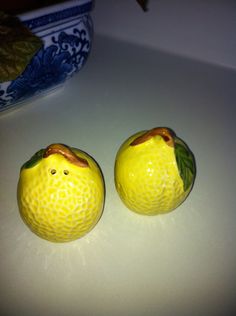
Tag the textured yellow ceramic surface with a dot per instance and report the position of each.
(60, 193)
(154, 171)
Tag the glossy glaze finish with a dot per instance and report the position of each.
(154, 171)
(60, 193)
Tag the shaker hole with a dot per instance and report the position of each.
(66, 172)
(53, 171)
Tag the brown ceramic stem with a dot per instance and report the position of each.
(67, 153)
(164, 132)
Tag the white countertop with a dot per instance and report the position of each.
(199, 29)
(182, 263)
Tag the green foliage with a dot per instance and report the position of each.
(34, 160)
(17, 47)
(186, 164)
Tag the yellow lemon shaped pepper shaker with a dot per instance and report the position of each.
(154, 171)
(61, 193)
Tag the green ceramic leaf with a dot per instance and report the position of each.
(34, 160)
(17, 47)
(186, 164)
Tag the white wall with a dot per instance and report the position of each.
(201, 29)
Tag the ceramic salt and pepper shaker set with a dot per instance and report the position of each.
(61, 189)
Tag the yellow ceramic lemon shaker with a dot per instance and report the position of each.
(61, 193)
(154, 171)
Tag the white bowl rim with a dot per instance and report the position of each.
(52, 9)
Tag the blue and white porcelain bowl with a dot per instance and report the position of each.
(66, 30)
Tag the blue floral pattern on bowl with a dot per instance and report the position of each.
(67, 32)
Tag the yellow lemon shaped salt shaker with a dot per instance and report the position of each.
(61, 193)
(154, 171)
